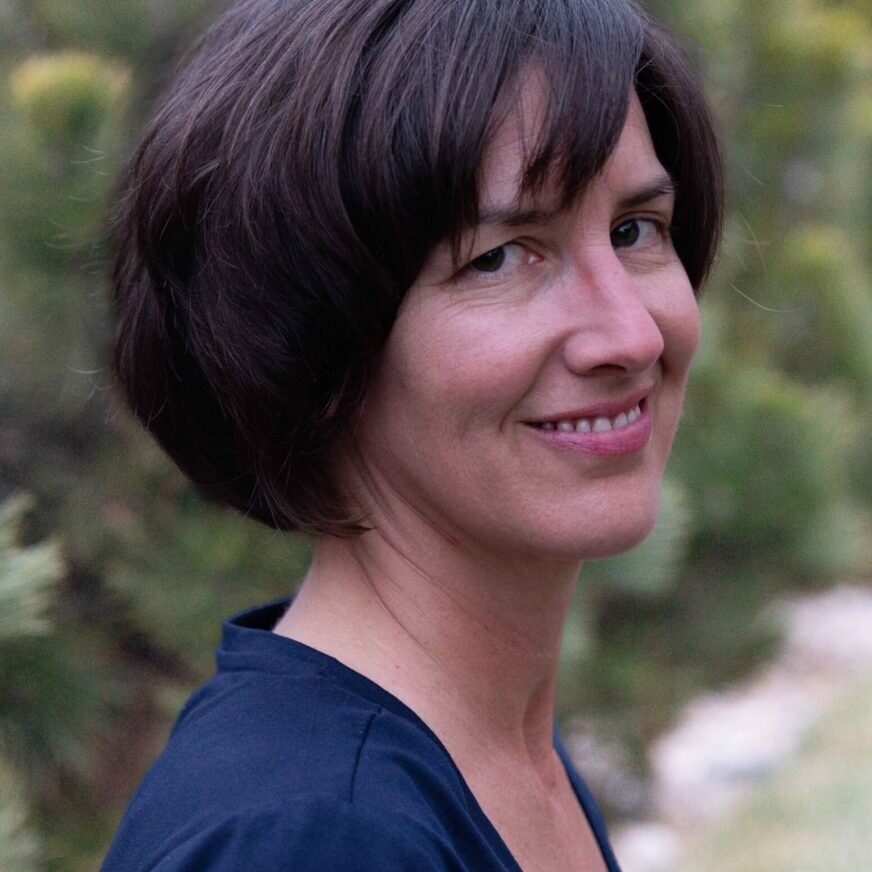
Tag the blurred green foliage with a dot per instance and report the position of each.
(66, 97)
(27, 580)
(104, 630)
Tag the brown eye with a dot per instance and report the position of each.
(626, 234)
(629, 234)
(503, 263)
(490, 261)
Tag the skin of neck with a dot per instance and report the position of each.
(468, 639)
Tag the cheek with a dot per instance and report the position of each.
(474, 367)
(444, 389)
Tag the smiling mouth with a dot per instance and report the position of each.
(598, 424)
(624, 434)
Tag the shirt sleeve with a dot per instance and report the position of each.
(322, 836)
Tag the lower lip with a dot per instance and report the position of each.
(611, 443)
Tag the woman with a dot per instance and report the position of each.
(418, 278)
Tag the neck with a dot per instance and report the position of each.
(469, 641)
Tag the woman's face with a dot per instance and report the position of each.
(506, 408)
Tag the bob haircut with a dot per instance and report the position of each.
(297, 173)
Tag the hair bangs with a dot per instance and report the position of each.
(434, 88)
(587, 57)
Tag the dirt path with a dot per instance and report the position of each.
(723, 744)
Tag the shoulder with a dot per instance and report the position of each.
(295, 772)
(312, 835)
(293, 736)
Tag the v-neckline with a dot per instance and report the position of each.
(262, 619)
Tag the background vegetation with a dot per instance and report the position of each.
(114, 574)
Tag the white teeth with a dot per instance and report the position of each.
(596, 425)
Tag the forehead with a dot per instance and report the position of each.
(632, 163)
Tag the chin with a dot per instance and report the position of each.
(607, 537)
(616, 542)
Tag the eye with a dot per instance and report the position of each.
(503, 259)
(490, 261)
(637, 233)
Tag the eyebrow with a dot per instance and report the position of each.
(661, 187)
(514, 216)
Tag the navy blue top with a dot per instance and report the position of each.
(289, 761)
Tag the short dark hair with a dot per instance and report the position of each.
(296, 174)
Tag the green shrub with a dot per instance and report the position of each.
(764, 459)
(68, 96)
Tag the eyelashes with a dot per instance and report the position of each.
(508, 256)
(639, 234)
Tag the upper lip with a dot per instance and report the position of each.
(605, 409)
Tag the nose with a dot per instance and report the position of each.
(611, 324)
